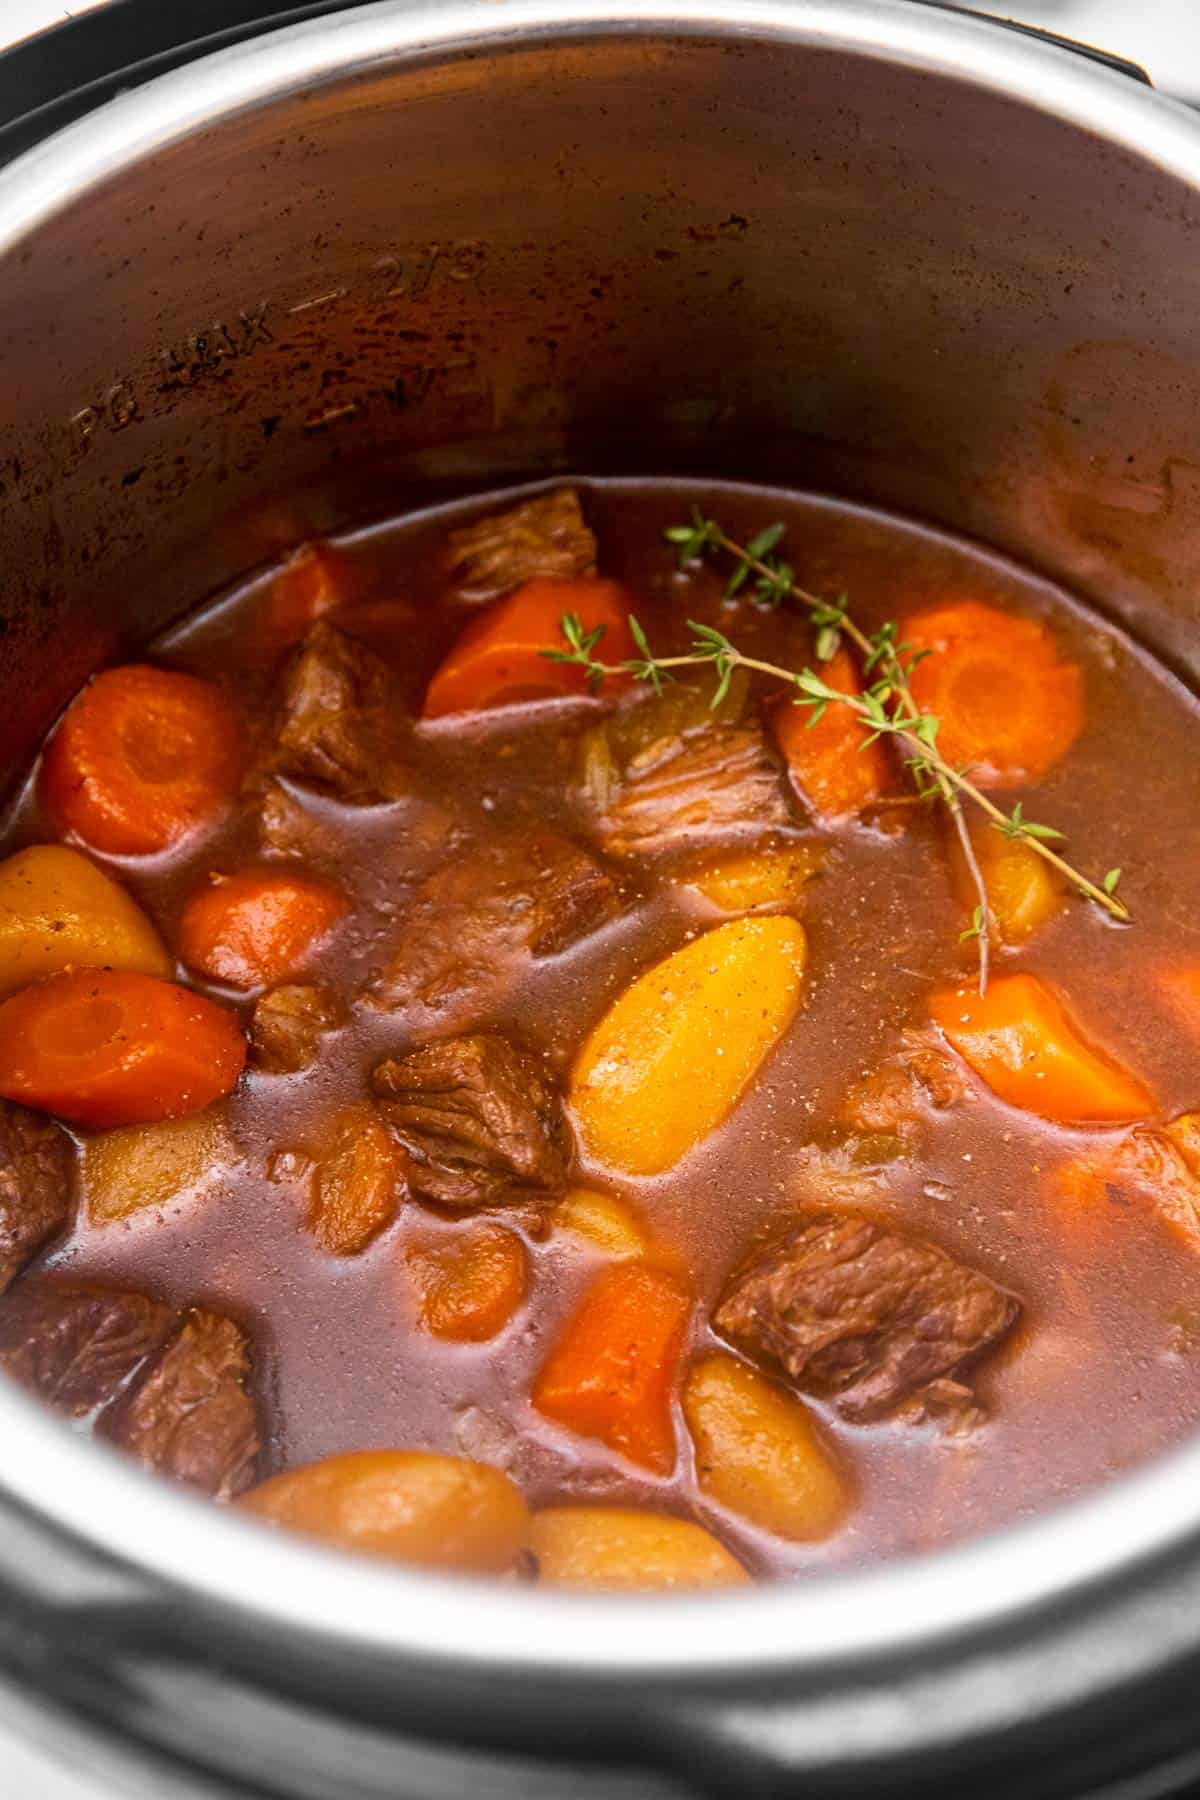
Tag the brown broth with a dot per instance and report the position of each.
(1098, 1376)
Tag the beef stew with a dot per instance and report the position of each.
(516, 1117)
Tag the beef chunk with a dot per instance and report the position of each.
(336, 728)
(77, 1346)
(718, 783)
(479, 1121)
(36, 1165)
(287, 1025)
(1154, 1166)
(476, 924)
(919, 1077)
(867, 1315)
(286, 827)
(190, 1414)
(543, 536)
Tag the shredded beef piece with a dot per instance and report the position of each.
(854, 1310)
(287, 1025)
(718, 783)
(36, 1165)
(476, 924)
(953, 1405)
(336, 728)
(480, 1123)
(190, 1414)
(1157, 1166)
(76, 1346)
(286, 827)
(919, 1077)
(543, 536)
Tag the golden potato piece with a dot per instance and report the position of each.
(359, 1183)
(674, 1053)
(442, 1512)
(608, 1224)
(469, 1289)
(147, 1167)
(758, 1452)
(1023, 890)
(775, 876)
(622, 1547)
(59, 911)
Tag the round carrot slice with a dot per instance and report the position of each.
(1007, 707)
(257, 926)
(99, 1048)
(143, 758)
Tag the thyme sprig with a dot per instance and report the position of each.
(888, 702)
(886, 706)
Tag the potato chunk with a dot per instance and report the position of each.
(621, 1547)
(59, 911)
(758, 1452)
(773, 876)
(608, 1224)
(673, 1055)
(1023, 891)
(140, 1168)
(469, 1289)
(359, 1183)
(441, 1512)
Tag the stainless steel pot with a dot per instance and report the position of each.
(354, 265)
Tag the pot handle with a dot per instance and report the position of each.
(1121, 65)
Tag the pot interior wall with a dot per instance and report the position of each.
(634, 254)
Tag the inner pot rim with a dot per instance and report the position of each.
(89, 1494)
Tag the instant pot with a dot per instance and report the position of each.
(349, 259)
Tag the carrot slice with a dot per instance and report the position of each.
(1180, 988)
(498, 659)
(1008, 708)
(101, 1048)
(468, 1290)
(142, 758)
(832, 767)
(314, 580)
(257, 926)
(1020, 1038)
(611, 1374)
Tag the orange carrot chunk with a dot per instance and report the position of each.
(611, 1374)
(1020, 1038)
(101, 1048)
(832, 767)
(1008, 708)
(314, 580)
(498, 659)
(1180, 989)
(257, 926)
(142, 758)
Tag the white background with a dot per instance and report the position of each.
(1164, 35)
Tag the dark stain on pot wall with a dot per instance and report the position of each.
(624, 255)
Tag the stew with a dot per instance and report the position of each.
(525, 1048)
